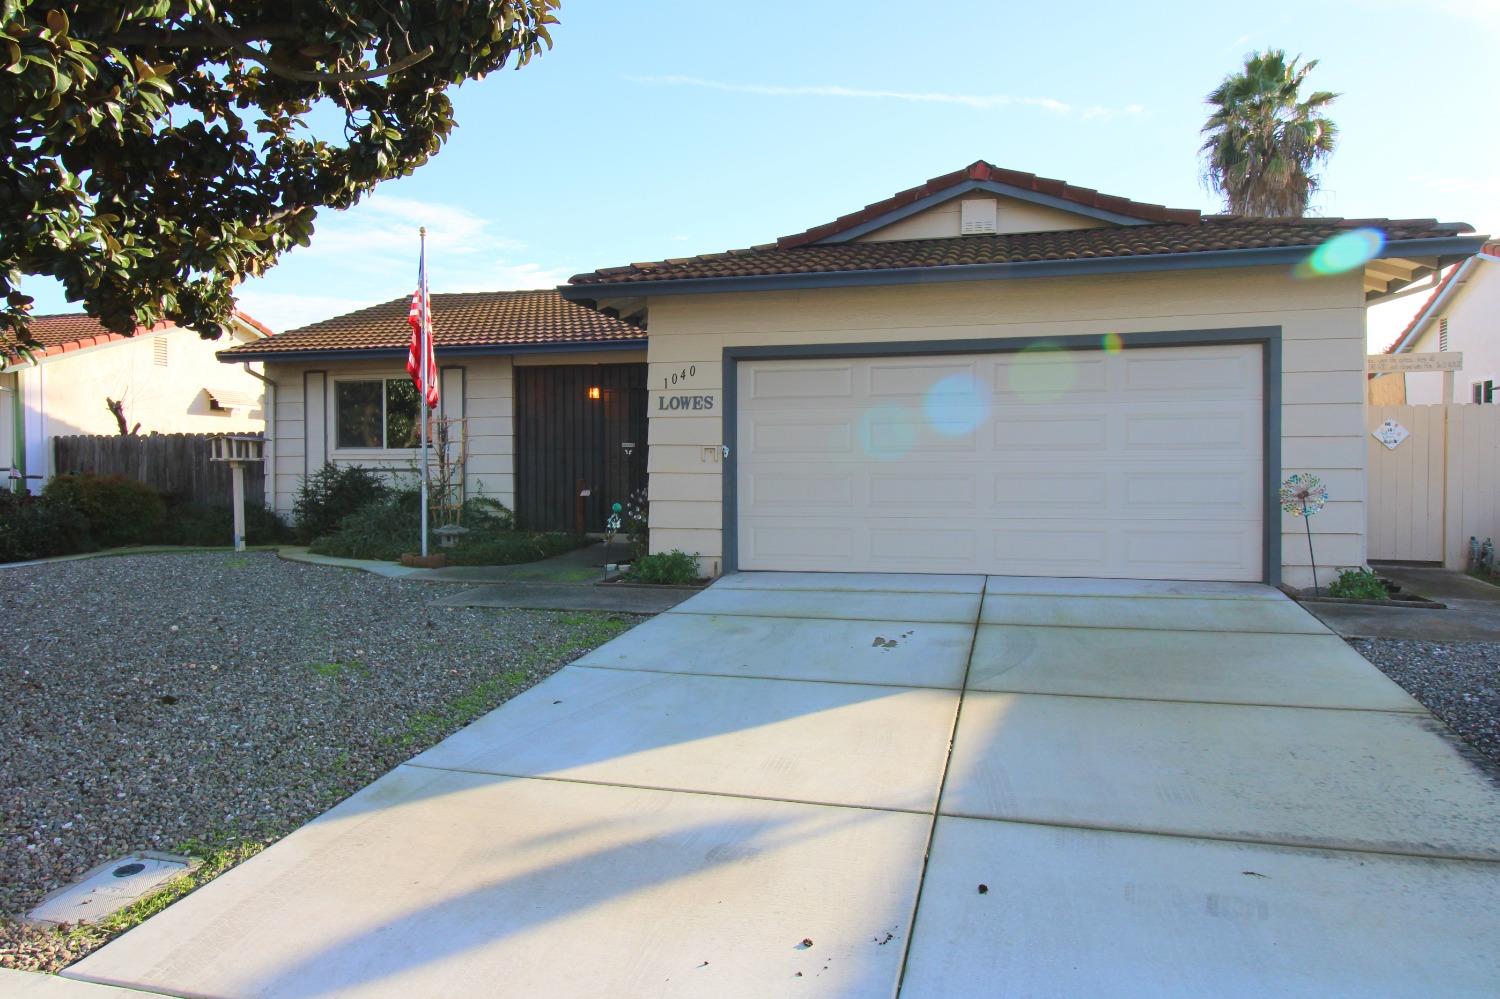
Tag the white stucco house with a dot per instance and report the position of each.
(995, 372)
(165, 379)
(1463, 315)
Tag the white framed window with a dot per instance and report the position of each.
(1484, 392)
(375, 414)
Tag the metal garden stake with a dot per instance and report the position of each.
(1302, 495)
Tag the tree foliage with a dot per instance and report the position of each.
(154, 154)
(1263, 142)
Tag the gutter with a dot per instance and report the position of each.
(463, 350)
(269, 412)
(588, 294)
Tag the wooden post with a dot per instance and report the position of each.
(237, 473)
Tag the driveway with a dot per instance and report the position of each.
(846, 785)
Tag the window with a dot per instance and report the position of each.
(378, 413)
(1484, 391)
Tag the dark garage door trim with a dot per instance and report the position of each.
(1268, 338)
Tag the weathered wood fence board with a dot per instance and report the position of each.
(1438, 487)
(175, 465)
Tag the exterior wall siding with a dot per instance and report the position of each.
(1323, 390)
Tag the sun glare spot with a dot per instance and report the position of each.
(1342, 253)
(888, 433)
(957, 405)
(1041, 372)
(1112, 343)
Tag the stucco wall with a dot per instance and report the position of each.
(65, 394)
(1012, 215)
(1473, 315)
(1323, 391)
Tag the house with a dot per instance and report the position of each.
(541, 400)
(165, 379)
(1462, 315)
(1001, 373)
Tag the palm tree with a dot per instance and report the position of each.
(1262, 142)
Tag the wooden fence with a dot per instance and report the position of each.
(1438, 487)
(175, 465)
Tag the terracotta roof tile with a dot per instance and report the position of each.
(472, 319)
(1202, 234)
(65, 332)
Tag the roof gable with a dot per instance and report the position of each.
(1441, 297)
(71, 331)
(984, 177)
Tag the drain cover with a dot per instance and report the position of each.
(110, 887)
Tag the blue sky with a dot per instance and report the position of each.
(663, 129)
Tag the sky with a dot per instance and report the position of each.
(662, 129)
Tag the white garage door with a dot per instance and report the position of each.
(1142, 463)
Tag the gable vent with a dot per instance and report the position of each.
(1442, 334)
(159, 351)
(978, 217)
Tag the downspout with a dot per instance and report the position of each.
(270, 433)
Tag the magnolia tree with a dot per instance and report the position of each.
(153, 155)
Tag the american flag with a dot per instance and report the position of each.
(420, 353)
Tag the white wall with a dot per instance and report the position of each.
(1473, 314)
(1323, 390)
(65, 394)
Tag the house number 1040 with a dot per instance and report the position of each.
(679, 376)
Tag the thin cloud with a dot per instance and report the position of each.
(979, 102)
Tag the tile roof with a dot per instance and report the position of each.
(1202, 234)
(69, 331)
(979, 170)
(468, 319)
(1491, 249)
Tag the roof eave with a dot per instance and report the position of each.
(587, 293)
(237, 355)
(1451, 287)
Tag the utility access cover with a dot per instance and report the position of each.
(110, 887)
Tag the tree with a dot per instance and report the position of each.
(154, 154)
(1263, 143)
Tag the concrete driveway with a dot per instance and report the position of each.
(830, 785)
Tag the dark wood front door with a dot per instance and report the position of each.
(564, 437)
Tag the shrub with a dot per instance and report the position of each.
(331, 494)
(636, 522)
(673, 567)
(481, 513)
(214, 526)
(119, 510)
(39, 527)
(1358, 584)
(511, 547)
(384, 529)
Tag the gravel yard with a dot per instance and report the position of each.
(1457, 681)
(212, 699)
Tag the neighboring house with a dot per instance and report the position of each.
(166, 379)
(999, 373)
(1462, 314)
(548, 399)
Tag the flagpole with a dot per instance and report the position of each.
(426, 319)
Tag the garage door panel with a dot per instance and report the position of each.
(1146, 464)
(797, 382)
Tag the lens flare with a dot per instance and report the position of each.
(1342, 253)
(1113, 343)
(1041, 372)
(957, 405)
(888, 433)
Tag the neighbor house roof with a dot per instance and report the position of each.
(70, 331)
(469, 322)
(1129, 236)
(1440, 297)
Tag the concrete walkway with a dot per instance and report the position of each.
(842, 785)
(1472, 613)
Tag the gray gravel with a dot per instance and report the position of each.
(1457, 681)
(156, 701)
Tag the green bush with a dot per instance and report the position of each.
(1358, 584)
(331, 494)
(214, 525)
(384, 529)
(481, 513)
(38, 527)
(673, 567)
(636, 521)
(119, 510)
(511, 547)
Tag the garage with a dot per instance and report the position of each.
(1124, 462)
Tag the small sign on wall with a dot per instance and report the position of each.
(1391, 434)
(686, 404)
(1443, 361)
